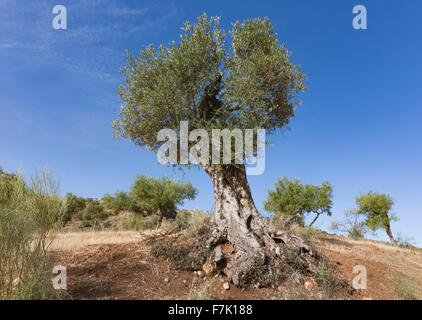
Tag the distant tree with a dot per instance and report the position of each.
(353, 225)
(376, 207)
(72, 204)
(120, 201)
(94, 213)
(160, 196)
(294, 200)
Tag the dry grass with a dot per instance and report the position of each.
(76, 240)
(398, 261)
(385, 263)
(402, 258)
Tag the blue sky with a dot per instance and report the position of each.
(358, 127)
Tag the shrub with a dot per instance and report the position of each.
(29, 214)
(107, 201)
(353, 226)
(188, 258)
(406, 289)
(85, 224)
(94, 208)
(93, 214)
(294, 265)
(72, 205)
(191, 224)
(121, 201)
(139, 223)
(192, 254)
(198, 220)
(160, 196)
(333, 286)
(86, 216)
(308, 233)
(182, 221)
(322, 274)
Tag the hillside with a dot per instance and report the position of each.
(119, 265)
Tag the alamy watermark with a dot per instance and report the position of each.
(176, 148)
(60, 280)
(60, 20)
(359, 281)
(360, 20)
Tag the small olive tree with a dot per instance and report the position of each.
(160, 196)
(72, 205)
(293, 199)
(376, 207)
(120, 201)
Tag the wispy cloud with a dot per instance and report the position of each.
(90, 45)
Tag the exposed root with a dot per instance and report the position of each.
(259, 265)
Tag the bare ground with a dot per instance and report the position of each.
(118, 265)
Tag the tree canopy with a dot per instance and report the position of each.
(249, 83)
(160, 196)
(376, 207)
(294, 200)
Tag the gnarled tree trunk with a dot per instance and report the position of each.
(315, 219)
(390, 235)
(257, 244)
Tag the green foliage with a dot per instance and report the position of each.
(294, 200)
(139, 223)
(72, 205)
(190, 223)
(406, 289)
(160, 195)
(308, 233)
(182, 221)
(330, 281)
(208, 82)
(121, 201)
(322, 274)
(94, 209)
(29, 214)
(376, 208)
(294, 264)
(8, 183)
(85, 224)
(93, 214)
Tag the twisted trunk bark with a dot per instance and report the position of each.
(390, 235)
(315, 219)
(257, 244)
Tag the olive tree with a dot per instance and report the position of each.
(237, 81)
(376, 207)
(160, 196)
(293, 199)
